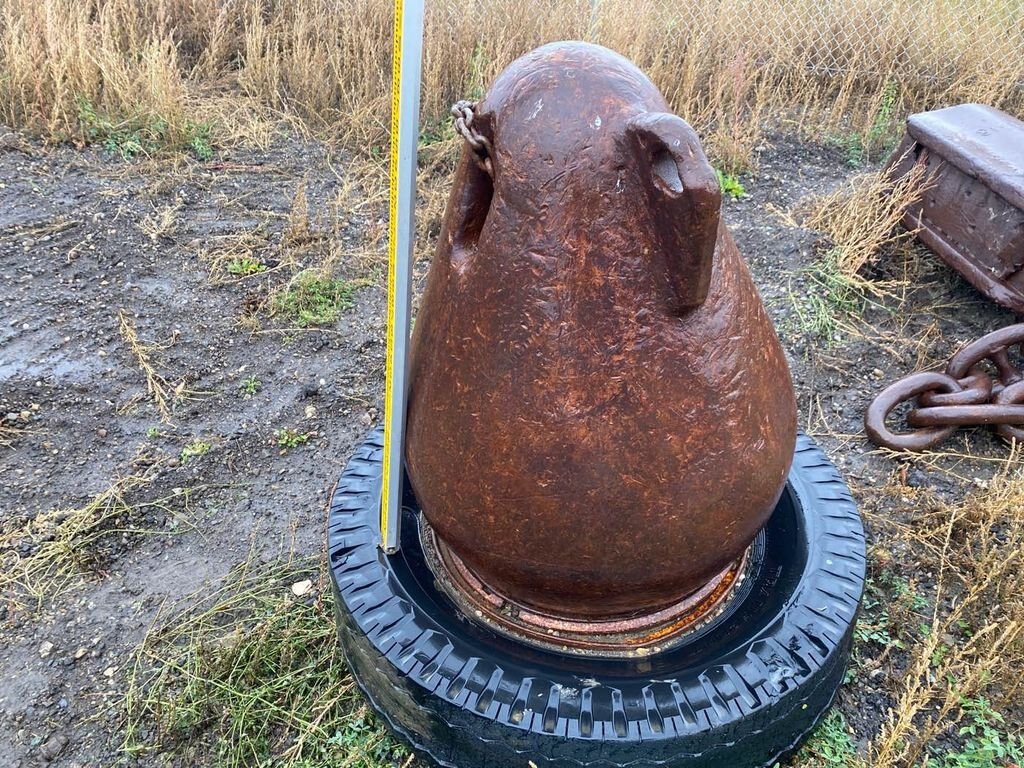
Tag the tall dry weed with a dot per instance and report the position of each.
(973, 645)
(725, 66)
(863, 216)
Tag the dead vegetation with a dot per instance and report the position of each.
(967, 627)
(949, 654)
(861, 222)
(303, 266)
(862, 218)
(162, 392)
(9, 433)
(239, 255)
(251, 674)
(43, 556)
(142, 74)
(161, 223)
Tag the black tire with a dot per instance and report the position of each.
(741, 692)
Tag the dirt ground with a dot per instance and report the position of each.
(85, 236)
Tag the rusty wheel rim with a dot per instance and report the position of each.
(632, 636)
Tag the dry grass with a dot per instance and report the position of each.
(863, 217)
(972, 644)
(161, 223)
(861, 221)
(42, 557)
(238, 255)
(305, 264)
(167, 66)
(159, 389)
(250, 673)
(9, 434)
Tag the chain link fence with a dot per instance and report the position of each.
(729, 65)
(935, 50)
(724, 64)
(941, 41)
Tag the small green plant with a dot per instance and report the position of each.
(153, 432)
(879, 135)
(985, 742)
(477, 72)
(250, 386)
(731, 185)
(314, 299)
(245, 265)
(197, 138)
(194, 450)
(142, 134)
(877, 631)
(830, 296)
(852, 145)
(290, 438)
(940, 654)
(435, 132)
(830, 746)
(902, 592)
(861, 148)
(885, 597)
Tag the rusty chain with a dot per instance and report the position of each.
(965, 394)
(463, 112)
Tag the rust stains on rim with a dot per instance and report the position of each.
(628, 636)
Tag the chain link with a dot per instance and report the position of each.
(965, 394)
(463, 112)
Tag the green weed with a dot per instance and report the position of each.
(290, 438)
(985, 742)
(250, 386)
(199, 141)
(477, 73)
(194, 450)
(878, 139)
(852, 145)
(831, 296)
(314, 299)
(873, 624)
(830, 746)
(245, 265)
(891, 613)
(435, 132)
(730, 185)
(141, 134)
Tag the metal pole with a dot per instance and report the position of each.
(405, 119)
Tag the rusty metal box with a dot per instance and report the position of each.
(972, 211)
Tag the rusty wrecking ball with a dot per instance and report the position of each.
(616, 548)
(601, 417)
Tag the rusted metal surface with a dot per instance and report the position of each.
(972, 214)
(631, 636)
(601, 417)
(981, 385)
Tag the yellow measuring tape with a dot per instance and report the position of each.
(389, 373)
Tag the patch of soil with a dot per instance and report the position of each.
(74, 257)
(79, 247)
